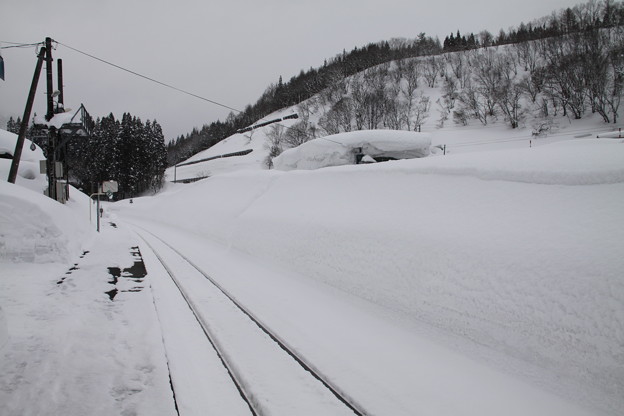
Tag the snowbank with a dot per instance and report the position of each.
(341, 149)
(572, 162)
(36, 229)
(28, 173)
(33, 228)
(518, 251)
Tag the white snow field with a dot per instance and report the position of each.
(479, 283)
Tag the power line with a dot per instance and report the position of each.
(149, 78)
(23, 45)
(19, 45)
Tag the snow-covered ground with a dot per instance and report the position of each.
(487, 281)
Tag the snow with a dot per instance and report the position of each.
(483, 282)
(516, 250)
(28, 172)
(36, 229)
(59, 119)
(340, 149)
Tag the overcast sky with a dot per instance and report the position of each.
(227, 51)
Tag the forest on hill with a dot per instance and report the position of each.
(569, 63)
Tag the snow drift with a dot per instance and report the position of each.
(36, 229)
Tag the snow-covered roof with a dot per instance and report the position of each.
(78, 120)
(340, 149)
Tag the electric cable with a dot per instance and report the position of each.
(156, 81)
(24, 45)
(149, 78)
(19, 45)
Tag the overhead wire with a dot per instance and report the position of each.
(149, 78)
(18, 45)
(156, 81)
(25, 45)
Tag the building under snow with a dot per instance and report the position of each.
(363, 146)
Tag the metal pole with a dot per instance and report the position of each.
(59, 74)
(97, 212)
(50, 112)
(51, 163)
(17, 154)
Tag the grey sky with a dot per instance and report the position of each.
(227, 51)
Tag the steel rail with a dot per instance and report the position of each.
(308, 367)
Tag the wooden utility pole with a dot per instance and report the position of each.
(60, 108)
(17, 154)
(51, 156)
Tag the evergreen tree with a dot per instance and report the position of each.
(13, 126)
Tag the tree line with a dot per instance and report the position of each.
(299, 88)
(405, 106)
(529, 83)
(582, 17)
(128, 151)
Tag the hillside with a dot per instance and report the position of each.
(565, 65)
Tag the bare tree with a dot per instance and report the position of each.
(372, 100)
(409, 86)
(472, 104)
(336, 89)
(304, 130)
(489, 72)
(431, 70)
(395, 114)
(339, 118)
(528, 55)
(458, 62)
(420, 111)
(359, 97)
(275, 143)
(531, 85)
(509, 98)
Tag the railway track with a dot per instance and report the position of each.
(270, 376)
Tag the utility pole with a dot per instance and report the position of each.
(51, 159)
(17, 154)
(50, 92)
(60, 108)
(59, 74)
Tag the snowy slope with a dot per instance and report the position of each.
(516, 252)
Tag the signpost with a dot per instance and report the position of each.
(106, 188)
